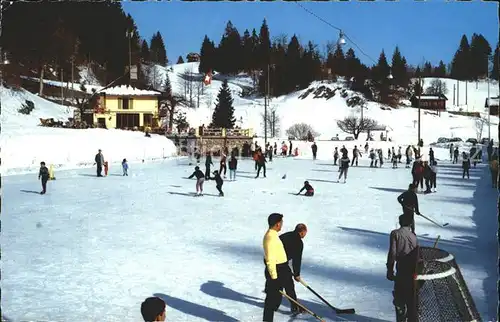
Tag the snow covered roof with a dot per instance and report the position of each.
(126, 90)
(424, 97)
(493, 101)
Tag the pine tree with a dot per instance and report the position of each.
(428, 70)
(180, 60)
(495, 68)
(337, 62)
(480, 50)
(145, 51)
(352, 64)
(264, 48)
(223, 116)
(255, 50)
(310, 66)
(167, 86)
(293, 70)
(440, 71)
(380, 76)
(207, 56)
(399, 69)
(248, 48)
(460, 63)
(157, 50)
(229, 51)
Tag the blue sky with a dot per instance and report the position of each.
(428, 30)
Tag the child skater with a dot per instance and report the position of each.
(308, 188)
(219, 182)
(344, 166)
(200, 179)
(233, 165)
(44, 175)
(125, 167)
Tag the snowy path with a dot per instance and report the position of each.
(94, 248)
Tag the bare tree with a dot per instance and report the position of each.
(301, 131)
(199, 88)
(354, 125)
(187, 84)
(479, 126)
(170, 103)
(209, 100)
(83, 101)
(273, 122)
(437, 87)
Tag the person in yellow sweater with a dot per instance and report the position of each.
(494, 171)
(277, 271)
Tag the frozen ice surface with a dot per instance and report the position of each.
(93, 249)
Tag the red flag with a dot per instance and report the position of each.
(208, 78)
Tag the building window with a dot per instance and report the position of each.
(127, 120)
(147, 120)
(125, 103)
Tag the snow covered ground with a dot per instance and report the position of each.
(100, 246)
(25, 144)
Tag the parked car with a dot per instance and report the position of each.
(455, 140)
(471, 140)
(335, 138)
(443, 140)
(349, 138)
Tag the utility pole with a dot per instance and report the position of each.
(419, 98)
(265, 106)
(62, 87)
(488, 101)
(454, 91)
(129, 35)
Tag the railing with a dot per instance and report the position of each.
(224, 132)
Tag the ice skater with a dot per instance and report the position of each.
(200, 179)
(233, 165)
(44, 175)
(125, 167)
(219, 182)
(344, 166)
(308, 188)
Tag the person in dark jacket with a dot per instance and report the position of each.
(308, 188)
(465, 165)
(290, 148)
(294, 246)
(344, 166)
(427, 177)
(314, 149)
(343, 150)
(473, 155)
(223, 165)
(99, 161)
(404, 252)
(200, 179)
(208, 163)
(409, 201)
(218, 182)
(417, 172)
(431, 156)
(44, 175)
(261, 163)
(355, 154)
(489, 150)
(335, 156)
(233, 165)
(455, 155)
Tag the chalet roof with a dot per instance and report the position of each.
(425, 97)
(493, 101)
(126, 90)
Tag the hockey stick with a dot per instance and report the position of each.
(436, 242)
(337, 310)
(302, 306)
(435, 223)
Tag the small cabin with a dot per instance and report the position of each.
(492, 103)
(435, 102)
(193, 57)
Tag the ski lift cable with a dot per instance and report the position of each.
(337, 28)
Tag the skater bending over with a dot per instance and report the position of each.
(292, 241)
(403, 250)
(219, 182)
(409, 201)
(200, 179)
(308, 188)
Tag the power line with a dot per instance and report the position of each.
(336, 28)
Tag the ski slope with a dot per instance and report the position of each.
(105, 244)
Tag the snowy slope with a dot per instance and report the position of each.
(323, 113)
(25, 144)
(104, 245)
(476, 94)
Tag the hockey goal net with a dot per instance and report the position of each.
(443, 295)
